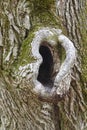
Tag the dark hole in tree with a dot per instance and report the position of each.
(46, 68)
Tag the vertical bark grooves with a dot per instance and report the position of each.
(1, 57)
(14, 24)
(73, 21)
(71, 18)
(22, 112)
(57, 118)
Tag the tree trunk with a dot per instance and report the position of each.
(21, 108)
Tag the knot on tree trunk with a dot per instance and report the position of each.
(51, 80)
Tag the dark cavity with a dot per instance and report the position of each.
(46, 67)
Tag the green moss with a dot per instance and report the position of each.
(41, 16)
(61, 53)
(25, 52)
(45, 18)
(40, 4)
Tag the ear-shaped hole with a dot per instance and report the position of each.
(46, 67)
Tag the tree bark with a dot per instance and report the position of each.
(20, 107)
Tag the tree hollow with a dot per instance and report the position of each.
(46, 67)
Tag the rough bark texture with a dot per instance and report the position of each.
(20, 108)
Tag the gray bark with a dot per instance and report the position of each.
(20, 107)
